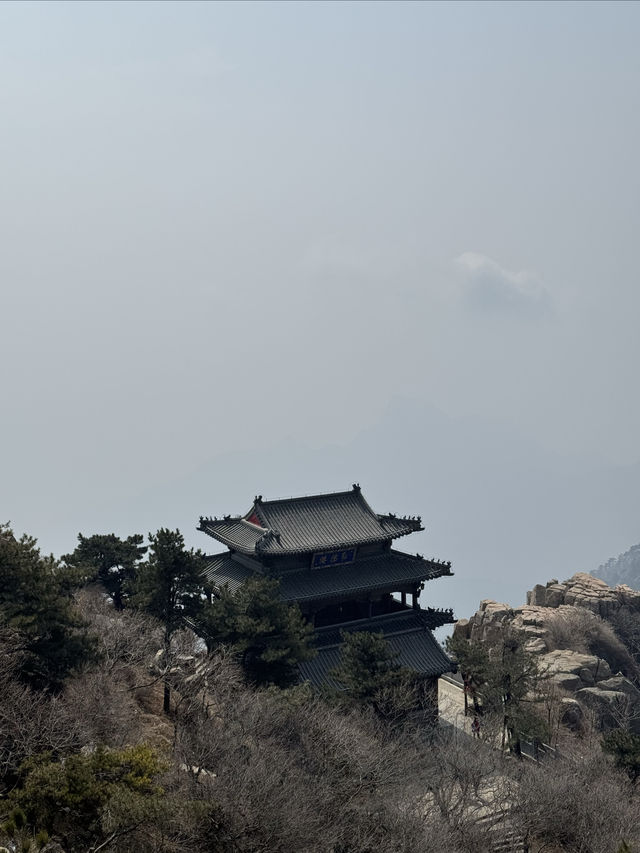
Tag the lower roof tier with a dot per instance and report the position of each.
(387, 572)
(407, 634)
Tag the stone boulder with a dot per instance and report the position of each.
(561, 663)
(567, 681)
(536, 646)
(620, 684)
(610, 707)
(571, 714)
(487, 624)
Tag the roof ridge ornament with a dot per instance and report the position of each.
(267, 537)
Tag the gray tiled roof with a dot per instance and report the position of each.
(295, 525)
(397, 622)
(384, 571)
(406, 634)
(234, 532)
(381, 572)
(223, 569)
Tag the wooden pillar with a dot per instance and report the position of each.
(370, 611)
(403, 598)
(414, 599)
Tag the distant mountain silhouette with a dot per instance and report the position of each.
(622, 569)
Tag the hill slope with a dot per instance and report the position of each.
(622, 569)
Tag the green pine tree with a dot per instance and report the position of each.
(502, 678)
(271, 637)
(369, 673)
(367, 664)
(170, 586)
(90, 797)
(110, 560)
(35, 601)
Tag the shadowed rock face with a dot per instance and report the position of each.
(567, 625)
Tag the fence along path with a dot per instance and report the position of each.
(506, 837)
(451, 712)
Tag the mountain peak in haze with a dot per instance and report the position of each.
(623, 569)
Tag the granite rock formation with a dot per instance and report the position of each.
(568, 625)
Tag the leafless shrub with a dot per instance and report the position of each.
(626, 624)
(581, 805)
(292, 774)
(582, 631)
(470, 785)
(125, 637)
(30, 721)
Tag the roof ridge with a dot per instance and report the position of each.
(366, 503)
(290, 498)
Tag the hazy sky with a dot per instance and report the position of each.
(227, 224)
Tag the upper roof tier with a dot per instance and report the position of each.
(296, 525)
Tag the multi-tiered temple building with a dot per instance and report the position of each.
(334, 558)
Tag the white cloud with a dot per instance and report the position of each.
(488, 286)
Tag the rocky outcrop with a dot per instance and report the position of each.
(583, 590)
(565, 625)
(544, 605)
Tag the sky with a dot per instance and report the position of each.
(234, 232)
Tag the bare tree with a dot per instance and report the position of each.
(581, 805)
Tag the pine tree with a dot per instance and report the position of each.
(369, 673)
(170, 586)
(110, 560)
(367, 664)
(270, 636)
(502, 678)
(35, 601)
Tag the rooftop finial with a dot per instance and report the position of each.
(356, 487)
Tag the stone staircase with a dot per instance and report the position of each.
(506, 839)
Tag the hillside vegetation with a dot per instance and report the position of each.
(622, 569)
(240, 759)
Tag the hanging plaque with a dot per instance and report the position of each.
(323, 559)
